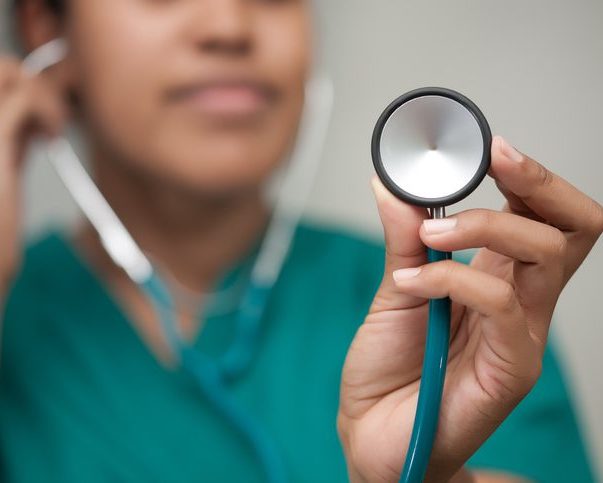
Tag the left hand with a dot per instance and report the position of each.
(502, 307)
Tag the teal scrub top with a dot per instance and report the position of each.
(83, 400)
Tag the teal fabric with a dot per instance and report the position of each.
(83, 400)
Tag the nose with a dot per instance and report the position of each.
(223, 27)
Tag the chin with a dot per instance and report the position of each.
(214, 175)
(204, 164)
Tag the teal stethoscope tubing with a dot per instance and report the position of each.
(211, 377)
(432, 384)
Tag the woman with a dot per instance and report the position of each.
(187, 107)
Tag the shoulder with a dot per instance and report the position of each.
(314, 231)
(343, 252)
(46, 261)
(42, 256)
(334, 268)
(49, 278)
(336, 244)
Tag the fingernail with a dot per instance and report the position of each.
(439, 225)
(405, 273)
(509, 151)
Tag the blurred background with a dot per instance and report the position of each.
(534, 68)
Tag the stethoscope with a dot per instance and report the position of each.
(431, 148)
(211, 376)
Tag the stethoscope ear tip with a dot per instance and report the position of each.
(45, 56)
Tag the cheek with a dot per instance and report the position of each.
(122, 72)
(116, 61)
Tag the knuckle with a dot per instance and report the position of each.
(506, 299)
(558, 245)
(543, 176)
(596, 224)
(483, 221)
(446, 271)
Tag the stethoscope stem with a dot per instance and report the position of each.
(438, 212)
(432, 379)
(431, 148)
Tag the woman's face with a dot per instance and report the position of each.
(204, 94)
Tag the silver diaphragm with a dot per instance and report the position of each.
(431, 146)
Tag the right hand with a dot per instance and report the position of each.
(28, 106)
(502, 305)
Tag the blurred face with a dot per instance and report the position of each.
(204, 94)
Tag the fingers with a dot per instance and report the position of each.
(548, 195)
(537, 252)
(403, 246)
(511, 235)
(32, 103)
(504, 322)
(26, 105)
(534, 192)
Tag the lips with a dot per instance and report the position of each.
(226, 98)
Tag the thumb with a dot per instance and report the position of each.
(403, 246)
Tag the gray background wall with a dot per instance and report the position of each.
(536, 70)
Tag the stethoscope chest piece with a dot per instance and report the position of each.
(431, 147)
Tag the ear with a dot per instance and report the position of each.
(37, 23)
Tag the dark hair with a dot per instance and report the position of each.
(56, 5)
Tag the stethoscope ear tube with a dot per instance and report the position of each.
(210, 375)
(115, 238)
